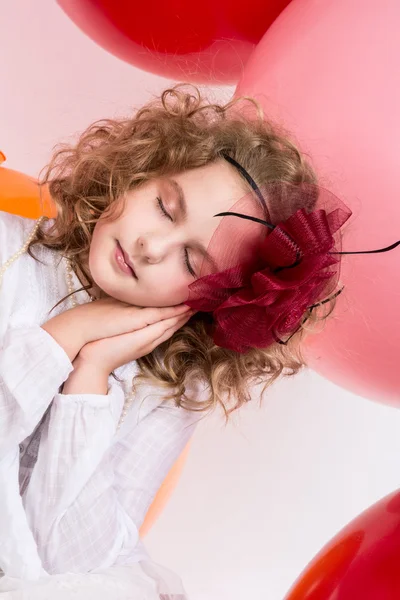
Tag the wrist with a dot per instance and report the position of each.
(86, 378)
(64, 332)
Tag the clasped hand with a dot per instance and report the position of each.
(109, 333)
(145, 329)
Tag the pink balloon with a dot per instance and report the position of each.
(329, 72)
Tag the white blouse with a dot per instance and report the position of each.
(73, 492)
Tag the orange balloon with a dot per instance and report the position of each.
(21, 195)
(164, 493)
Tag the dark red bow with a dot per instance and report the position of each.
(256, 303)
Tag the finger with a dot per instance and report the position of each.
(178, 321)
(166, 334)
(171, 311)
(152, 333)
(158, 329)
(171, 330)
(149, 316)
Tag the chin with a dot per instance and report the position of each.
(118, 294)
(106, 287)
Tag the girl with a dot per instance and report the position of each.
(104, 370)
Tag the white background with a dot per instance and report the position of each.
(259, 498)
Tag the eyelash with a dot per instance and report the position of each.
(164, 213)
(162, 209)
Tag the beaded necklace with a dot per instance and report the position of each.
(69, 280)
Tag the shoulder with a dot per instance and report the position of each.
(14, 230)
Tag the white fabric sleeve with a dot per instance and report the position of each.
(19, 555)
(145, 455)
(70, 501)
(33, 366)
(73, 503)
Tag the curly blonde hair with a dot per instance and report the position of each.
(180, 130)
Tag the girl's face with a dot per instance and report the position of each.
(163, 231)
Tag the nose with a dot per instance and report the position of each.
(154, 248)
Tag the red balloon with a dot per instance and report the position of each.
(361, 562)
(207, 42)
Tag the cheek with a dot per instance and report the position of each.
(96, 241)
(168, 297)
(101, 248)
(166, 288)
(136, 215)
(169, 280)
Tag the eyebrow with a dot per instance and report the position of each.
(184, 212)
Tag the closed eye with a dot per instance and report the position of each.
(166, 215)
(162, 209)
(187, 262)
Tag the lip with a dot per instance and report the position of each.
(123, 261)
